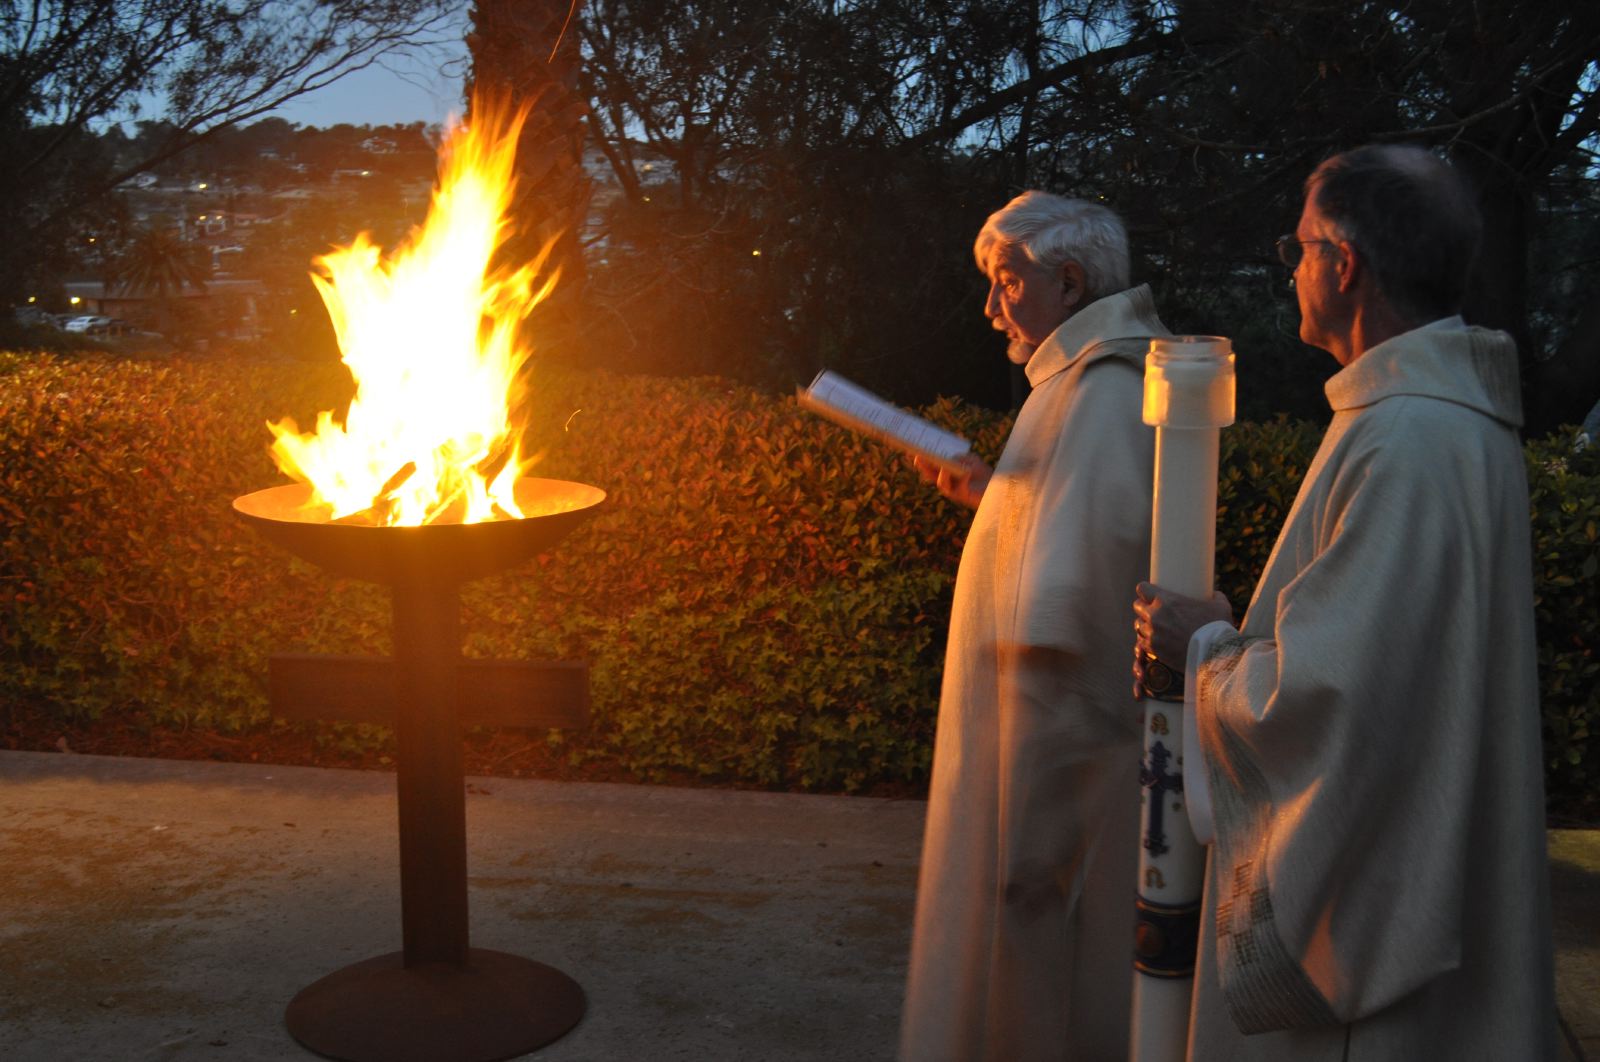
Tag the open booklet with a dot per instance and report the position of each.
(858, 409)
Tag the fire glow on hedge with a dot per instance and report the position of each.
(430, 338)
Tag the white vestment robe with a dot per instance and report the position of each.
(1376, 890)
(1023, 942)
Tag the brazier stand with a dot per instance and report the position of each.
(438, 999)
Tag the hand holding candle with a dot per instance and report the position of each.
(1164, 621)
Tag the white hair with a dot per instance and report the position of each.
(1053, 230)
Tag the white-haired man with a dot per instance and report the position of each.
(1364, 753)
(1024, 927)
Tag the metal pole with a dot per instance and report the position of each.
(438, 1000)
(430, 784)
(1188, 397)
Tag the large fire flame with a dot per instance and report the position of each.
(430, 338)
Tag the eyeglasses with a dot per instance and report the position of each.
(1291, 249)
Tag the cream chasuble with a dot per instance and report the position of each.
(1024, 926)
(1371, 740)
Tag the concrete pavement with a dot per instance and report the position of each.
(169, 910)
(1575, 892)
(157, 909)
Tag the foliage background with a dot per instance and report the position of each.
(763, 598)
(859, 144)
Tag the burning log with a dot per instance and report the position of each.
(379, 513)
(491, 467)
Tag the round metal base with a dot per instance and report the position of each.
(497, 1006)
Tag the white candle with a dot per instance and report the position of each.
(1188, 398)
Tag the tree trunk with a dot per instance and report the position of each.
(1562, 388)
(528, 51)
(1497, 293)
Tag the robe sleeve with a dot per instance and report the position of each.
(1196, 789)
(1334, 727)
(1090, 535)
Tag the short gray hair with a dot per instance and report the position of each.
(1412, 217)
(1053, 230)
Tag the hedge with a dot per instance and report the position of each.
(763, 599)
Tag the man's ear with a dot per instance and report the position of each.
(1073, 288)
(1351, 266)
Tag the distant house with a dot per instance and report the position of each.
(223, 257)
(214, 223)
(211, 223)
(231, 305)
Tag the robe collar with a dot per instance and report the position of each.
(1472, 367)
(1129, 314)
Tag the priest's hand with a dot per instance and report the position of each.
(965, 487)
(1163, 623)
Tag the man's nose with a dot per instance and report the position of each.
(991, 305)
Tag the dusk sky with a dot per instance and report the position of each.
(406, 89)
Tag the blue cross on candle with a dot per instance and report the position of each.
(1153, 776)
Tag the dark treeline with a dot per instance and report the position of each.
(800, 180)
(858, 146)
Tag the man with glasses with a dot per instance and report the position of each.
(1363, 752)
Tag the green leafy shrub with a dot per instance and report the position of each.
(748, 556)
(126, 580)
(763, 597)
(1564, 494)
(1259, 469)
